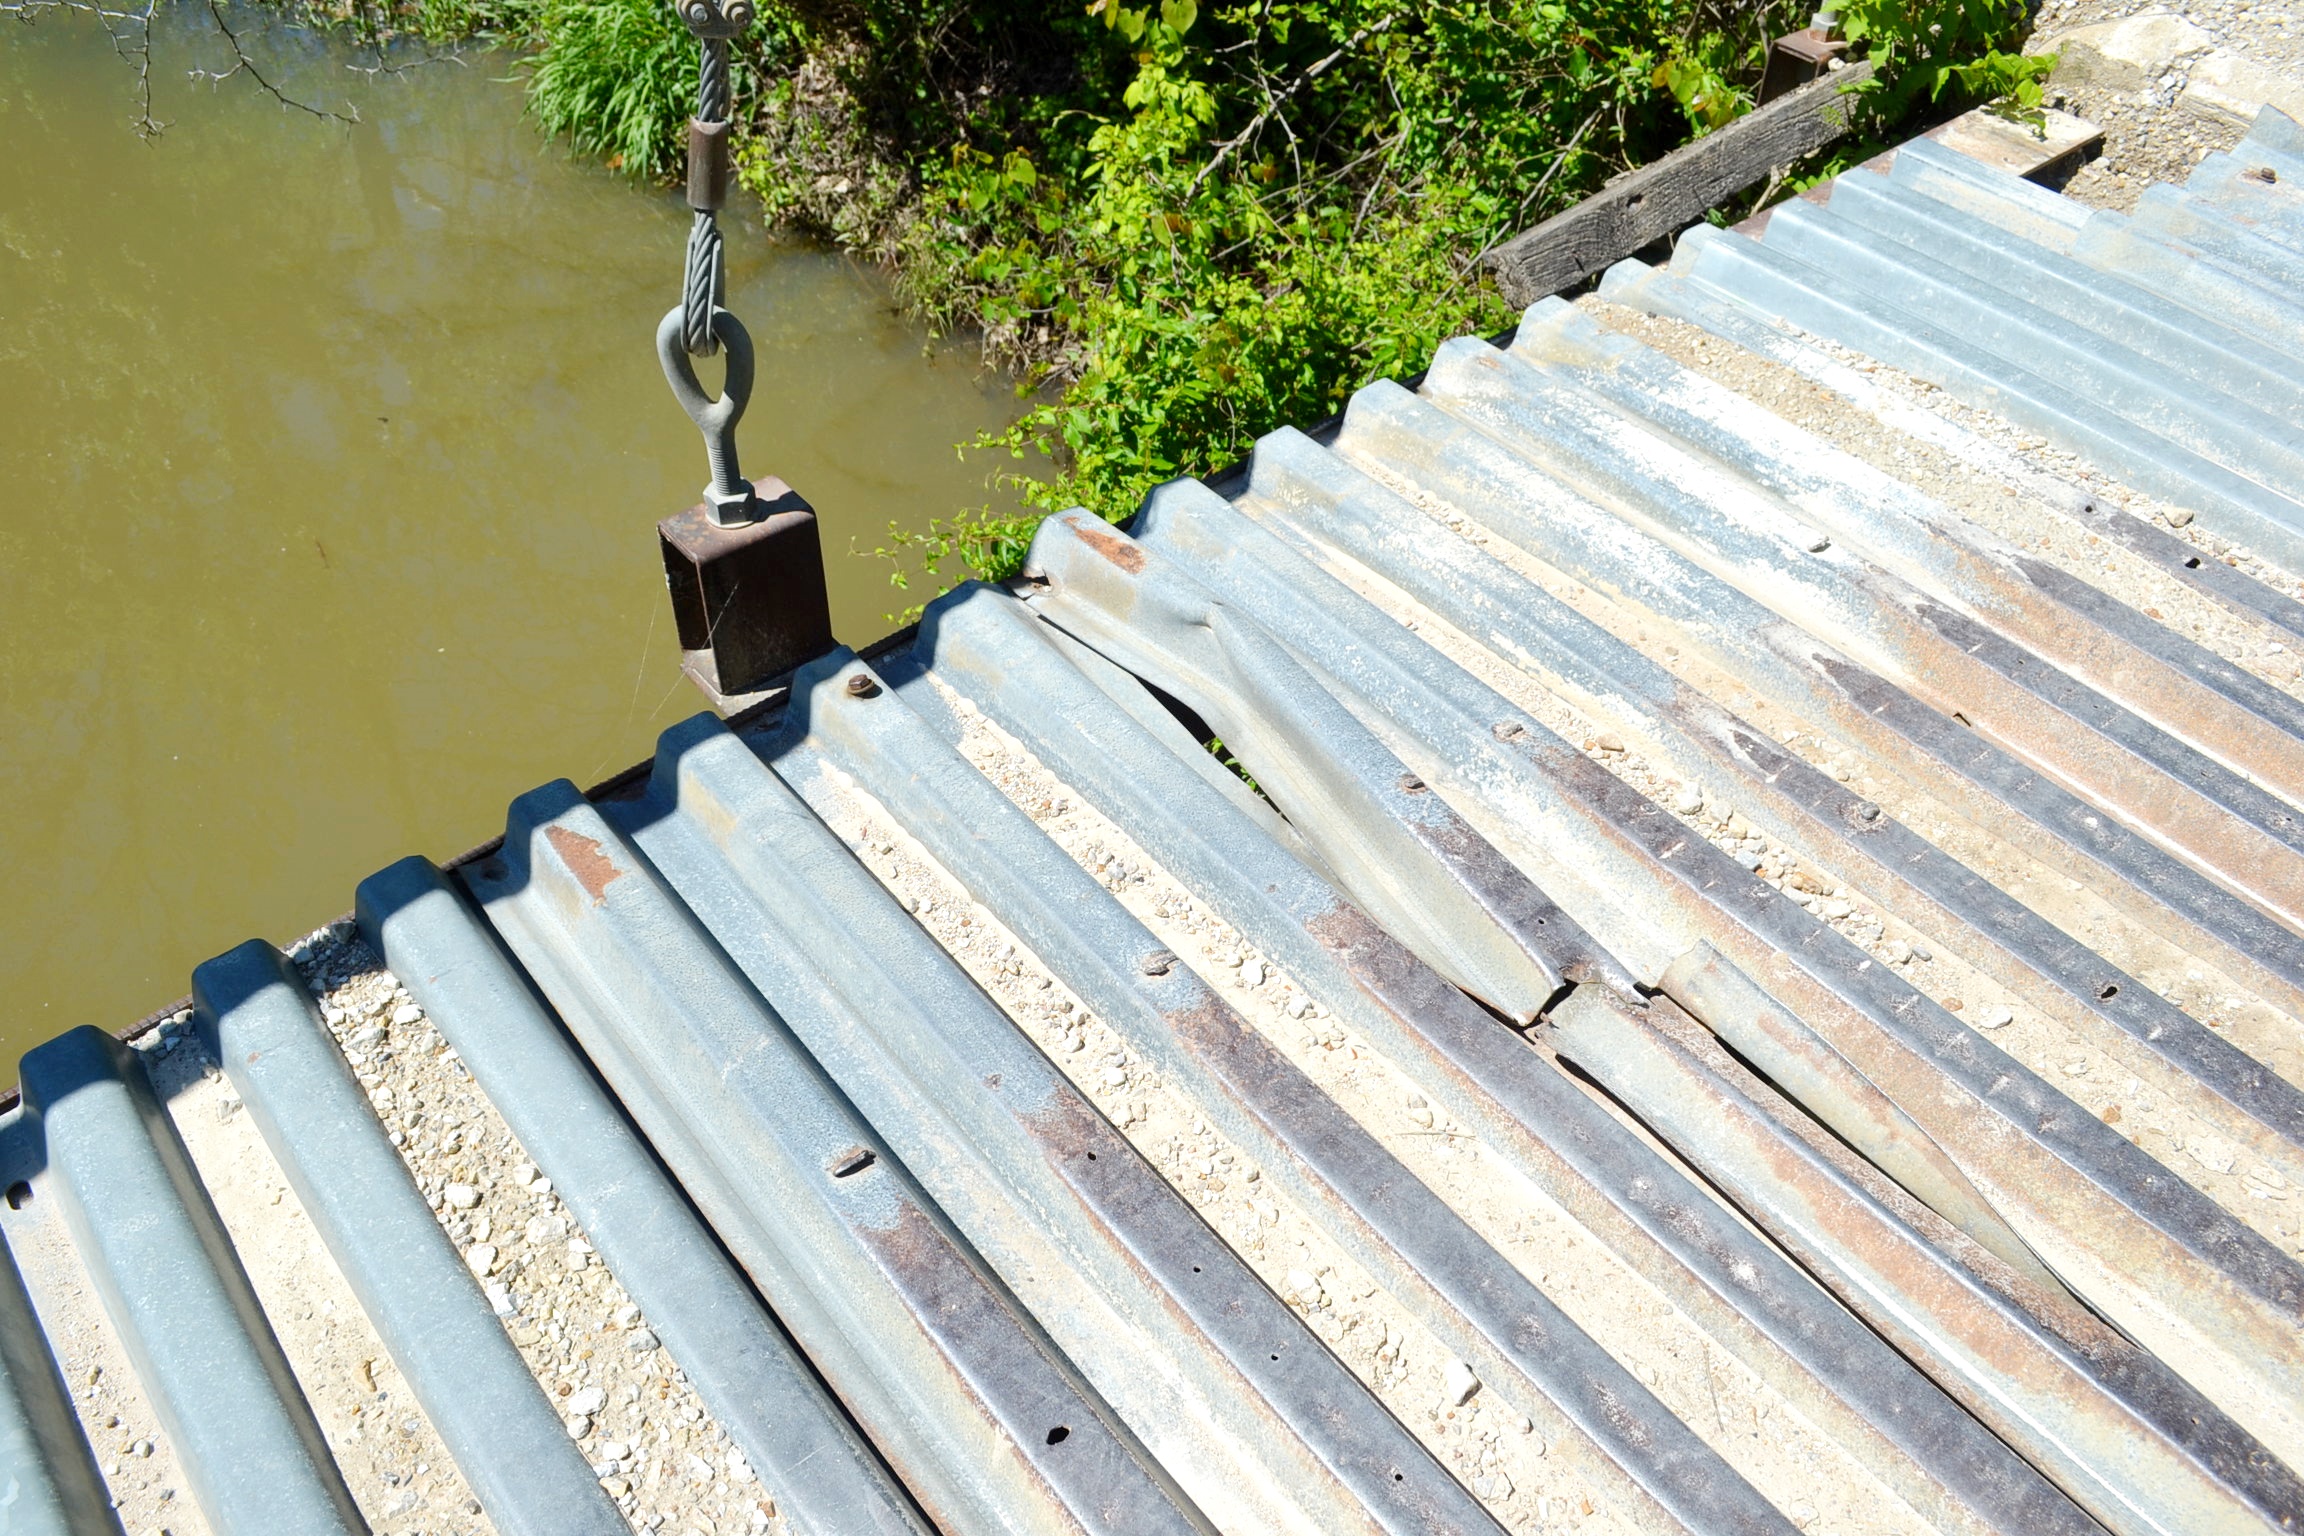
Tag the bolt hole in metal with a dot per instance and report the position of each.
(19, 1195)
(2109, 991)
(2191, 562)
(1059, 1434)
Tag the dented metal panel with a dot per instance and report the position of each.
(1762, 1308)
(2073, 1186)
(1236, 1394)
(2141, 1462)
(1466, 1292)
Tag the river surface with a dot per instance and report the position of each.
(330, 459)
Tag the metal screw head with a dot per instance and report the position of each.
(863, 685)
(1863, 813)
(1158, 963)
(847, 1161)
(1411, 785)
(1509, 730)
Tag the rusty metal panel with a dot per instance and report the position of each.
(2138, 1242)
(1742, 1290)
(1467, 1293)
(962, 1391)
(2248, 838)
(2143, 1463)
(1224, 1382)
(1452, 462)
(1317, 500)
(2181, 685)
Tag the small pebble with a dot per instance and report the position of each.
(642, 1341)
(586, 1401)
(461, 1196)
(578, 1426)
(482, 1257)
(1995, 1018)
(406, 1013)
(1457, 1383)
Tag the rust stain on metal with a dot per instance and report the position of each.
(586, 860)
(1122, 552)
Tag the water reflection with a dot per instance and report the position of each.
(328, 467)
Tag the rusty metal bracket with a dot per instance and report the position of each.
(1797, 58)
(750, 601)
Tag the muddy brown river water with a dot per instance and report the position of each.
(329, 463)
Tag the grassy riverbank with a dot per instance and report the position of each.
(1184, 225)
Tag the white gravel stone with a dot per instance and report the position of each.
(1457, 1383)
(406, 1013)
(461, 1196)
(1995, 1018)
(586, 1401)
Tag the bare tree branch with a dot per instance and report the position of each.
(244, 65)
(130, 29)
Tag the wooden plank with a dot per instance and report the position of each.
(1670, 193)
(2059, 143)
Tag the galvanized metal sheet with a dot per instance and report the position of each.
(49, 1484)
(2141, 1464)
(1226, 1384)
(961, 1389)
(2068, 1182)
(1320, 502)
(1741, 1289)
(178, 1298)
(1517, 1340)
(821, 1470)
(260, 1023)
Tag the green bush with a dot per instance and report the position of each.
(617, 78)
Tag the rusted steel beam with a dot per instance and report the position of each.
(2247, 838)
(2253, 728)
(1737, 1287)
(1319, 502)
(1227, 1386)
(1471, 1297)
(1688, 608)
(947, 1373)
(2144, 1465)
(2211, 1296)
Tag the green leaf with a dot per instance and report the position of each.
(1179, 14)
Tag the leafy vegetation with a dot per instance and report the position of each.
(1183, 224)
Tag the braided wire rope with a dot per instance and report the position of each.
(704, 280)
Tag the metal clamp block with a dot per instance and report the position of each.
(750, 601)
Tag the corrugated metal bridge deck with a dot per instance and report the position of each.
(1724, 995)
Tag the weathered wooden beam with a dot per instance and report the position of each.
(1670, 193)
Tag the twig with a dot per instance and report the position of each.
(244, 65)
(1511, 227)
(1224, 151)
